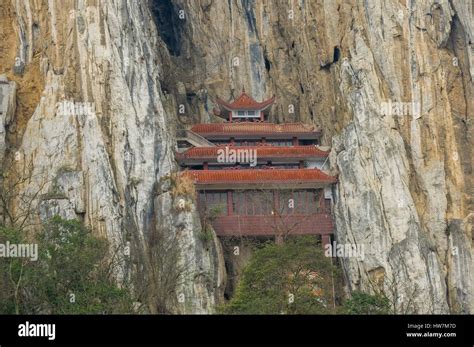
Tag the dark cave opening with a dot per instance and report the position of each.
(169, 23)
(268, 64)
(250, 15)
(336, 54)
(335, 58)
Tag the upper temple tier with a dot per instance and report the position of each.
(244, 108)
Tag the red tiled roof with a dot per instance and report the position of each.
(245, 102)
(259, 175)
(262, 152)
(253, 128)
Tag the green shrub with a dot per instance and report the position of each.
(362, 303)
(292, 278)
(72, 274)
(205, 236)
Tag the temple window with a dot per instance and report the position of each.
(215, 201)
(245, 114)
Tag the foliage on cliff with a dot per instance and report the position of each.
(70, 276)
(292, 278)
(362, 303)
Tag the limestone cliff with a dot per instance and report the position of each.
(404, 181)
(92, 131)
(405, 188)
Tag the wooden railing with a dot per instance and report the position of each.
(268, 225)
(193, 138)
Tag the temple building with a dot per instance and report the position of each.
(244, 108)
(257, 178)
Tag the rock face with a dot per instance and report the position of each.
(101, 132)
(405, 178)
(7, 109)
(202, 277)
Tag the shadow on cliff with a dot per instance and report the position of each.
(166, 17)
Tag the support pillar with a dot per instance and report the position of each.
(325, 240)
(276, 202)
(321, 206)
(230, 206)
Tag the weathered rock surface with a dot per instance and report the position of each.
(7, 110)
(100, 160)
(405, 181)
(201, 270)
(405, 186)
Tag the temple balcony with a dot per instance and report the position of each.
(267, 212)
(271, 225)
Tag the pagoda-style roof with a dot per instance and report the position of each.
(255, 129)
(245, 102)
(263, 152)
(260, 178)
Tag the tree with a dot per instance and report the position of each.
(72, 274)
(280, 205)
(363, 303)
(294, 278)
(166, 273)
(18, 204)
